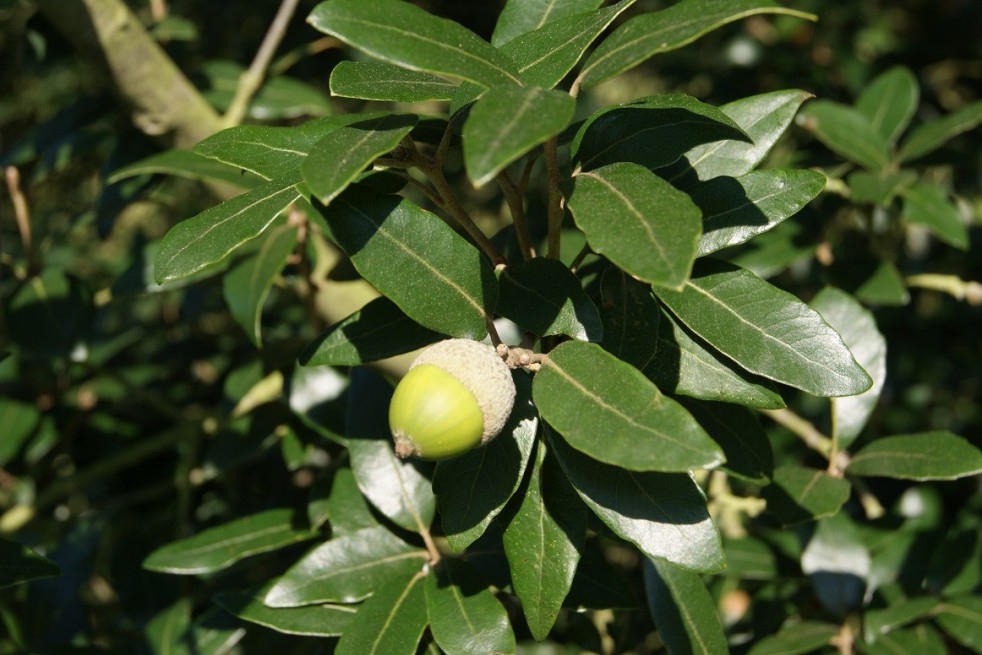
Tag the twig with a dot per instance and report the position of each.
(580, 256)
(298, 218)
(516, 206)
(523, 183)
(493, 332)
(252, 79)
(22, 214)
(285, 62)
(554, 201)
(807, 432)
(969, 291)
(158, 9)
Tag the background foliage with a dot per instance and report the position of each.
(192, 454)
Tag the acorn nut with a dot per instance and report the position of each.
(457, 395)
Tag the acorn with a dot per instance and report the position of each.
(457, 395)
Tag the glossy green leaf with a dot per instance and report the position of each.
(523, 16)
(766, 330)
(270, 152)
(878, 188)
(860, 334)
(649, 34)
(336, 160)
(961, 618)
(400, 33)
(838, 564)
(543, 542)
(310, 621)
(184, 163)
(545, 55)
(597, 584)
(248, 284)
(472, 489)
(347, 569)
(391, 622)
(214, 632)
(544, 297)
(750, 559)
(734, 210)
(846, 132)
(21, 564)
(763, 118)
(928, 137)
(507, 122)
(465, 617)
(218, 548)
(938, 455)
(918, 640)
(926, 204)
(607, 409)
(878, 622)
(638, 221)
(376, 331)
(685, 365)
(348, 509)
(797, 639)
(375, 80)
(684, 612)
(205, 239)
(630, 318)
(889, 102)
(773, 252)
(654, 131)
(740, 435)
(663, 514)
(799, 495)
(436, 277)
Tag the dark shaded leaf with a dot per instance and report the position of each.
(630, 318)
(737, 431)
(797, 639)
(799, 495)
(925, 204)
(846, 132)
(465, 617)
(930, 136)
(21, 564)
(684, 613)
(544, 297)
(310, 621)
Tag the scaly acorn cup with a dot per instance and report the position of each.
(457, 395)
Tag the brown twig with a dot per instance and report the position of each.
(252, 79)
(554, 200)
(22, 213)
(516, 206)
(580, 256)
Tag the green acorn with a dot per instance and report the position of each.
(457, 395)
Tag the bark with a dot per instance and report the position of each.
(163, 102)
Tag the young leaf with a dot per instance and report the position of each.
(543, 542)
(961, 618)
(837, 563)
(734, 210)
(750, 559)
(684, 612)
(376, 331)
(246, 286)
(799, 495)
(766, 330)
(858, 329)
(391, 622)
(21, 564)
(889, 102)
(464, 615)
(607, 409)
(901, 612)
(630, 318)
(544, 56)
(763, 118)
(270, 152)
(220, 547)
(347, 569)
(638, 221)
(419, 262)
(686, 366)
(336, 160)
(653, 131)
(736, 429)
(472, 489)
(310, 621)
(928, 137)
(918, 640)
(797, 639)
(663, 514)
(508, 121)
(523, 16)
(544, 297)
(846, 132)
(649, 34)
(937, 455)
(925, 204)
(375, 80)
(403, 34)
(878, 188)
(205, 239)
(184, 163)
(597, 584)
